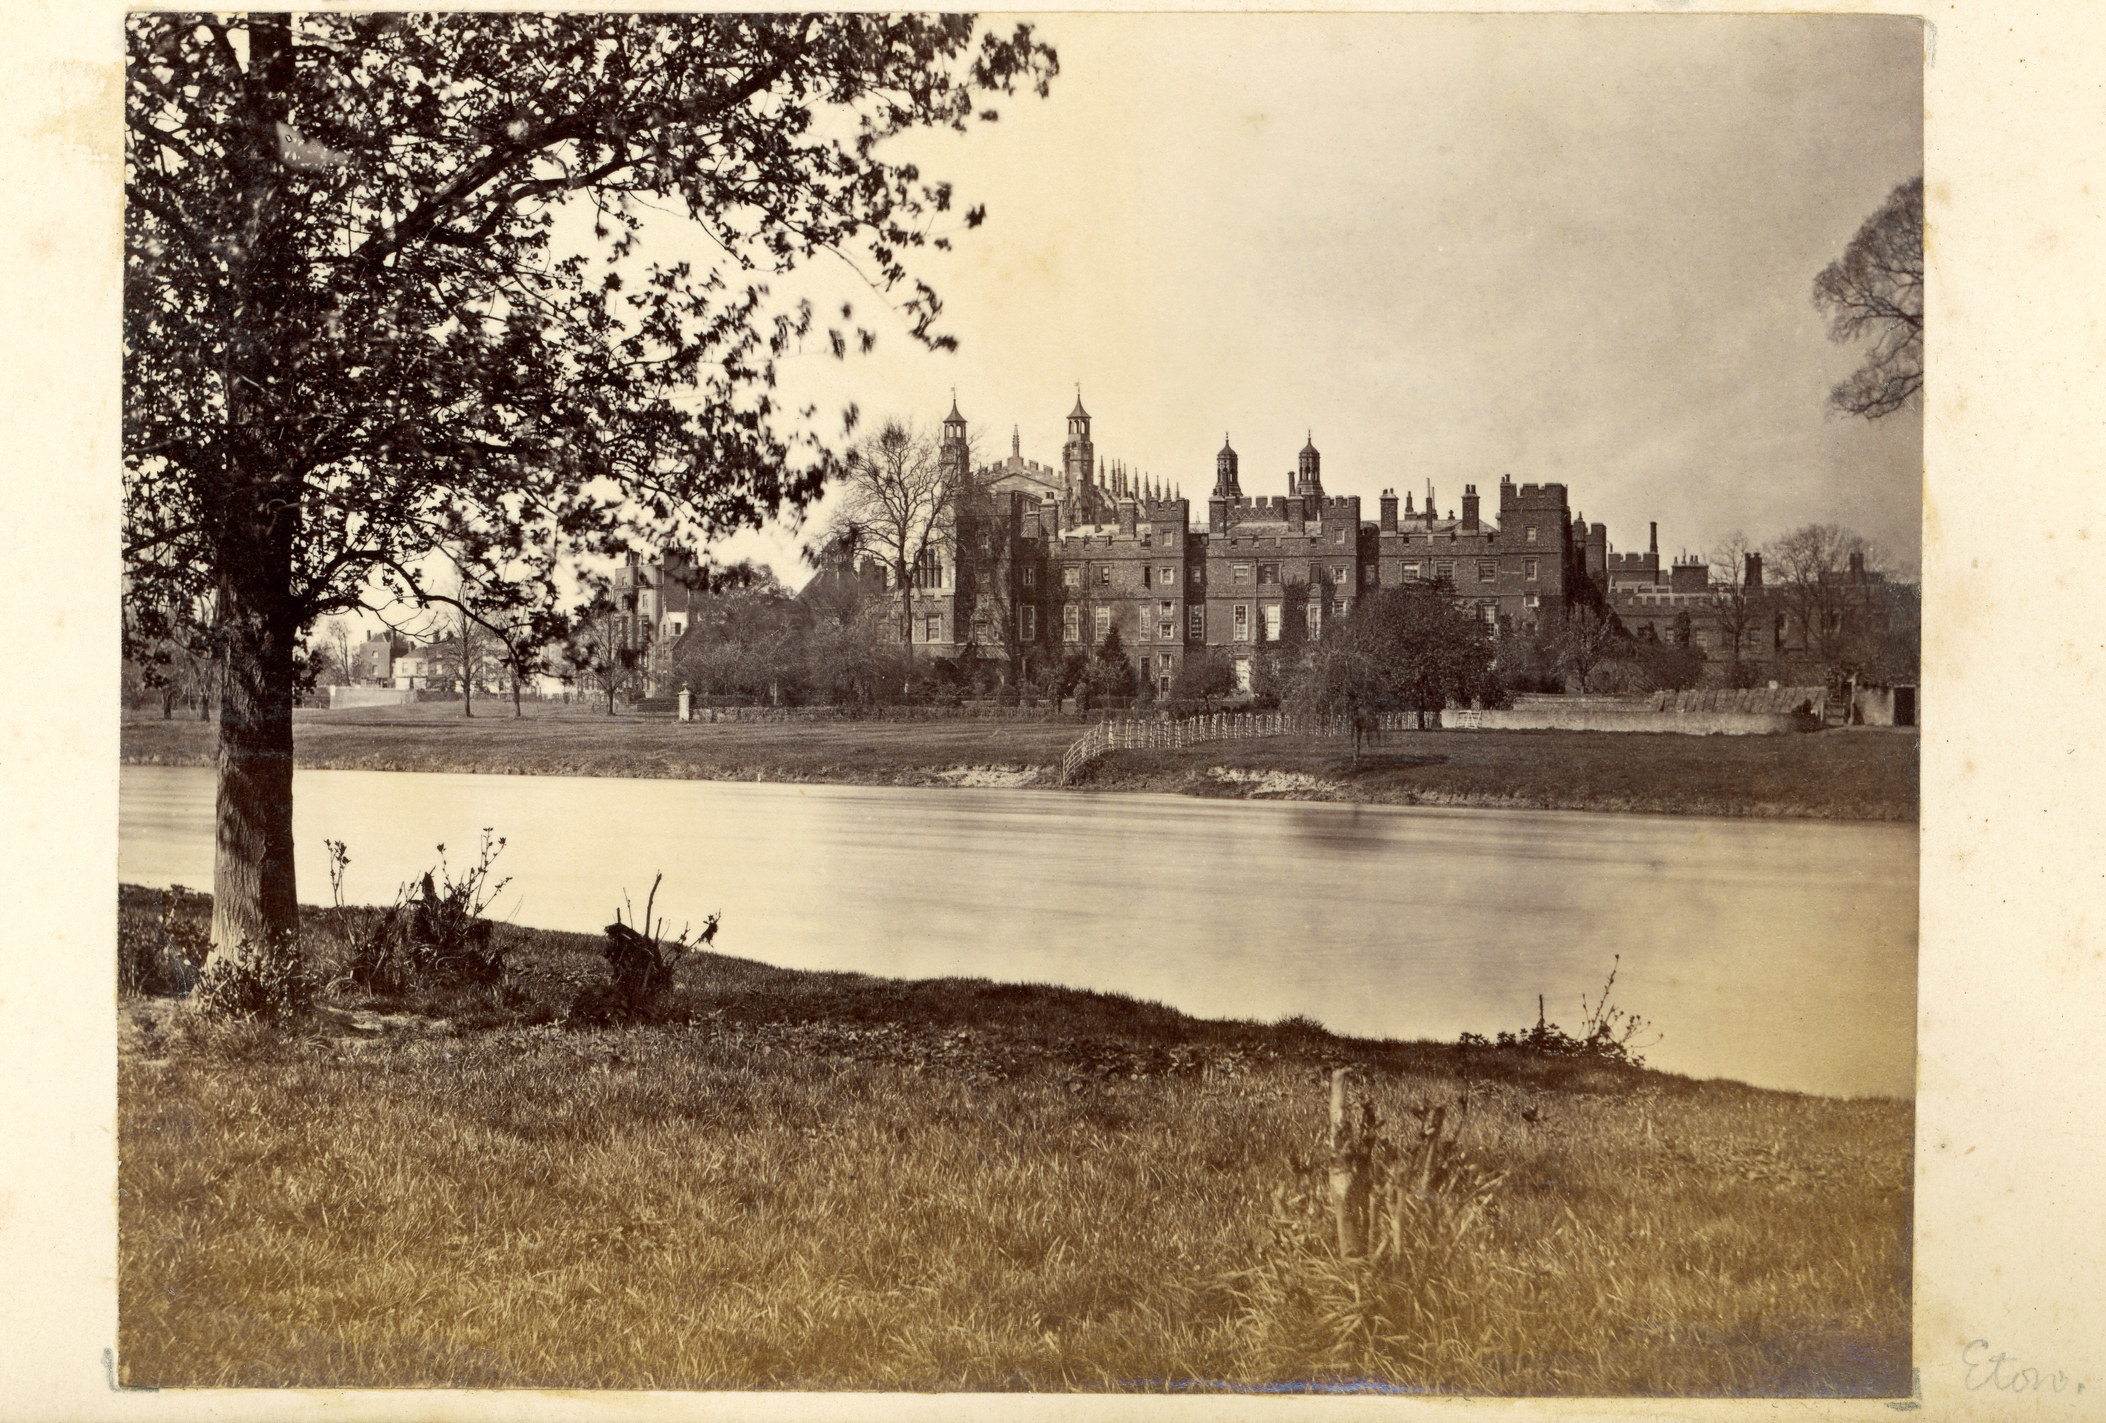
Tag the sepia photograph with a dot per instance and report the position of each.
(1109, 703)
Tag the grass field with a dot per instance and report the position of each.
(799, 1180)
(1838, 774)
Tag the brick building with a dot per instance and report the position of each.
(1039, 563)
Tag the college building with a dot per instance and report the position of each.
(1041, 562)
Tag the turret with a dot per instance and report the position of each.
(1308, 470)
(954, 453)
(1078, 457)
(1226, 485)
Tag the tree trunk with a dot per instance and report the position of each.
(516, 712)
(255, 511)
(253, 892)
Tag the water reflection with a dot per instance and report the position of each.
(1779, 953)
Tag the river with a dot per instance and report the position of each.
(1781, 953)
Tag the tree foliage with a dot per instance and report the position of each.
(1400, 649)
(1875, 290)
(387, 290)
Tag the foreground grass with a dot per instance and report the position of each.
(1850, 775)
(836, 1181)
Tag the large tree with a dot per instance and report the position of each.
(387, 292)
(1875, 289)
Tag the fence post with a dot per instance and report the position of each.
(1349, 1181)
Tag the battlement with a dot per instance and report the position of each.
(1541, 494)
(1275, 508)
(1634, 563)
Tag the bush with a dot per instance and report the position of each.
(266, 978)
(642, 963)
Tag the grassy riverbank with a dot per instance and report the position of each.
(840, 1181)
(1848, 775)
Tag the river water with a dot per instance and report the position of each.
(1781, 953)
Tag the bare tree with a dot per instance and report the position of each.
(1875, 289)
(899, 498)
(1810, 562)
(1735, 606)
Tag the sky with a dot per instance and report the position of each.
(1565, 248)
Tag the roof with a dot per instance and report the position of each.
(1078, 410)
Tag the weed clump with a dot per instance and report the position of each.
(267, 978)
(642, 962)
(160, 957)
(434, 935)
(1606, 1034)
(1380, 1261)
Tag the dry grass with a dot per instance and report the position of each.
(833, 1181)
(1849, 775)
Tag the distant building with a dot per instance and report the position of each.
(1042, 563)
(373, 660)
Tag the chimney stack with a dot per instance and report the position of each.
(1656, 539)
(1753, 576)
(1389, 511)
(1469, 508)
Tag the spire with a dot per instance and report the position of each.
(1078, 413)
(1016, 442)
(954, 415)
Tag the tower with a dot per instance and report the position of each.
(1308, 470)
(953, 454)
(1078, 458)
(1226, 485)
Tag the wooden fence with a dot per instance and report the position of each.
(1167, 734)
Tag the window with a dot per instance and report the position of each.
(1147, 537)
(1532, 601)
(1071, 624)
(1342, 575)
(1338, 537)
(1103, 623)
(1487, 572)
(1316, 620)
(932, 628)
(1199, 623)
(1241, 574)
(1199, 575)
(1166, 622)
(1531, 532)
(1490, 613)
(1166, 578)
(1528, 568)
(1027, 622)
(1104, 575)
(1071, 577)
(1268, 573)
(1272, 622)
(1030, 575)
(1411, 570)
(1367, 574)
(1444, 570)
(1145, 576)
(1242, 622)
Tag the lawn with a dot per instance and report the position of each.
(833, 1181)
(1854, 774)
